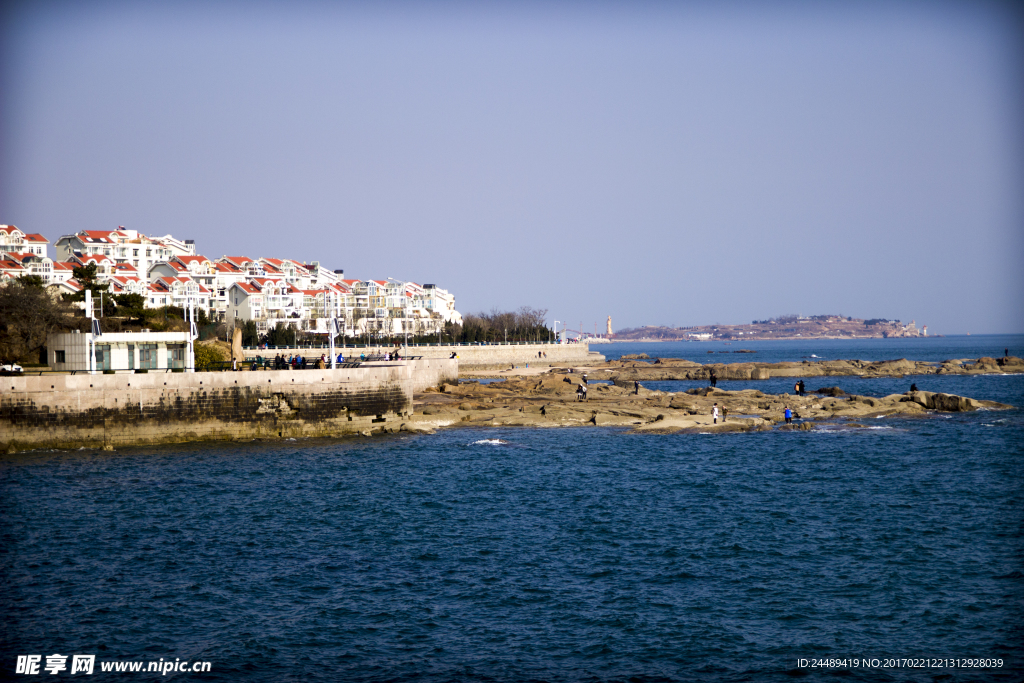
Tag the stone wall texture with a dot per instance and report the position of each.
(106, 411)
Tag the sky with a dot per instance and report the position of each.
(662, 163)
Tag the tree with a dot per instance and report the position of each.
(526, 324)
(250, 335)
(86, 276)
(131, 306)
(28, 315)
(281, 335)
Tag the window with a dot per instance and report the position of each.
(147, 356)
(135, 252)
(149, 252)
(103, 356)
(59, 357)
(131, 356)
(176, 355)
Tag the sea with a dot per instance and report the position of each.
(888, 552)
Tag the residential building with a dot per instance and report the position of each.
(13, 240)
(124, 246)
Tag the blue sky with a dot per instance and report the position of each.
(662, 163)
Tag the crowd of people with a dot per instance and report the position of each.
(300, 362)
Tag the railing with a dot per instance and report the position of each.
(99, 371)
(322, 345)
(308, 363)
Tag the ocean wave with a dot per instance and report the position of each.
(490, 442)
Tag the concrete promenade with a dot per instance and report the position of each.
(471, 357)
(106, 411)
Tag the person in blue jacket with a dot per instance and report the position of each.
(789, 415)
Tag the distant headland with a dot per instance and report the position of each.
(783, 327)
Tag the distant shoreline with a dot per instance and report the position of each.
(774, 339)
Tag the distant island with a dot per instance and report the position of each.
(783, 327)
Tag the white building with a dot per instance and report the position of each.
(123, 246)
(118, 352)
(13, 240)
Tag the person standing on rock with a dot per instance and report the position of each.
(636, 387)
(714, 413)
(788, 415)
(725, 414)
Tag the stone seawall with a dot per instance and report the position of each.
(106, 411)
(485, 357)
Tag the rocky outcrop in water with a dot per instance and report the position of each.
(551, 400)
(626, 371)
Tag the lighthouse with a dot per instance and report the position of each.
(609, 326)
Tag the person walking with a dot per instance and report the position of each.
(714, 413)
(788, 415)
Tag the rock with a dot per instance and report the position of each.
(609, 420)
(414, 428)
(635, 356)
(830, 391)
(951, 403)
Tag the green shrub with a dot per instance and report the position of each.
(142, 371)
(108, 372)
(206, 356)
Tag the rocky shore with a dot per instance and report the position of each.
(550, 399)
(625, 371)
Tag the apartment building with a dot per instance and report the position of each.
(123, 246)
(166, 271)
(15, 241)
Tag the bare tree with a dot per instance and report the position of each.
(28, 314)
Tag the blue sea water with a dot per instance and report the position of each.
(587, 554)
(930, 349)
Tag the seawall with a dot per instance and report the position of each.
(106, 411)
(471, 357)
